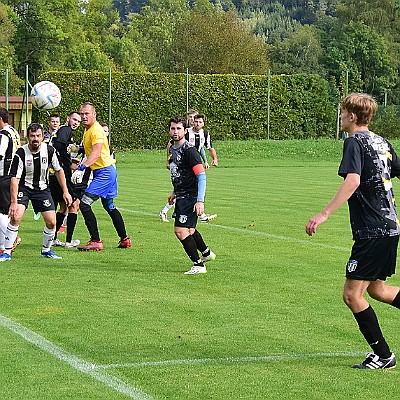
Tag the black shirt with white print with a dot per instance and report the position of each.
(372, 206)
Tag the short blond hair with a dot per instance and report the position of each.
(361, 104)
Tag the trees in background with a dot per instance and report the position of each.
(328, 37)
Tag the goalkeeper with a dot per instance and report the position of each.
(104, 184)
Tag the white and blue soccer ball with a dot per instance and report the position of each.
(45, 95)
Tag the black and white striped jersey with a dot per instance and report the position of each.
(198, 139)
(9, 143)
(33, 168)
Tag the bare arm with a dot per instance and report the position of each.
(214, 156)
(94, 155)
(348, 187)
(168, 147)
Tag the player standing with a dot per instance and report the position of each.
(29, 173)
(104, 184)
(189, 181)
(368, 164)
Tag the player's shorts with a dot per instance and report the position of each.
(104, 183)
(41, 199)
(185, 214)
(56, 191)
(5, 196)
(373, 259)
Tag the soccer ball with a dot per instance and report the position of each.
(45, 95)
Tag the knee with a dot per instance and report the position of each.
(108, 204)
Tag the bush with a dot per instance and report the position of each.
(236, 106)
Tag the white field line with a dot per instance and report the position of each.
(257, 233)
(276, 357)
(80, 365)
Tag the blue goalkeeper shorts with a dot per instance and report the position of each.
(104, 183)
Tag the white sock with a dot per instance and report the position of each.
(167, 208)
(11, 235)
(4, 220)
(48, 236)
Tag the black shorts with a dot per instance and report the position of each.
(56, 191)
(185, 215)
(41, 199)
(373, 259)
(5, 196)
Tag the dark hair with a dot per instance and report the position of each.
(4, 115)
(178, 119)
(72, 113)
(54, 116)
(198, 116)
(34, 127)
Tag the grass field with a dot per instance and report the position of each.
(266, 322)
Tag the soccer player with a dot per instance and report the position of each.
(368, 164)
(61, 141)
(54, 124)
(189, 181)
(104, 184)
(29, 173)
(9, 143)
(198, 137)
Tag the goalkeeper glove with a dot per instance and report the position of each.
(77, 176)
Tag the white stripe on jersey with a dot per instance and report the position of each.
(198, 140)
(34, 167)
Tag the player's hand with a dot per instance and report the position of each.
(199, 208)
(206, 166)
(67, 199)
(314, 222)
(214, 163)
(77, 176)
(171, 198)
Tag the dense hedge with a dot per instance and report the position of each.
(236, 106)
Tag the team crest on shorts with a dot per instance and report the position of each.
(46, 203)
(182, 219)
(352, 265)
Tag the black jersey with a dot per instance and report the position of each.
(372, 206)
(61, 139)
(182, 159)
(33, 168)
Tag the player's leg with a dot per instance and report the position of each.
(371, 261)
(72, 217)
(185, 226)
(118, 222)
(91, 223)
(206, 253)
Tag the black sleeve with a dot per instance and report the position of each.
(395, 163)
(352, 160)
(193, 157)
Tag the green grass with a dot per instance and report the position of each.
(266, 322)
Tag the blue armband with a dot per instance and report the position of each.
(201, 186)
(203, 154)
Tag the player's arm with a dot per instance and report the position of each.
(13, 210)
(93, 157)
(198, 170)
(214, 156)
(168, 147)
(348, 187)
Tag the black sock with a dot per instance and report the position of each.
(71, 222)
(59, 220)
(91, 223)
(201, 246)
(369, 327)
(118, 222)
(189, 244)
(396, 301)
